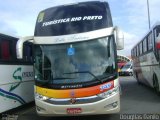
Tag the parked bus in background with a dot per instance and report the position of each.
(75, 60)
(17, 79)
(146, 59)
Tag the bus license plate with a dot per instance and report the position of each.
(74, 110)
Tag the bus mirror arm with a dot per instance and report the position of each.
(119, 38)
(19, 46)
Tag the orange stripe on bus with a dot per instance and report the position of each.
(74, 93)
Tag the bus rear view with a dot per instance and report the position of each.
(75, 63)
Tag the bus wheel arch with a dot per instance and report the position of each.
(156, 84)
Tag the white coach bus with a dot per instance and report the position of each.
(75, 60)
(146, 58)
(16, 76)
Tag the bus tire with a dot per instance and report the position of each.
(156, 84)
(137, 78)
(130, 74)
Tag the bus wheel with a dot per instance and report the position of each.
(130, 74)
(156, 84)
(137, 78)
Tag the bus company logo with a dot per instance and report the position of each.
(105, 86)
(72, 94)
(40, 17)
(73, 100)
(18, 75)
(27, 74)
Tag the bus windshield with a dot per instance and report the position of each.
(76, 62)
(127, 65)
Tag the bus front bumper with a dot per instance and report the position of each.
(106, 106)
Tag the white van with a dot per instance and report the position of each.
(127, 69)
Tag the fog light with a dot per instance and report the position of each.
(40, 97)
(40, 108)
(115, 104)
(112, 105)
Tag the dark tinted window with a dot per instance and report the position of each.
(8, 51)
(137, 50)
(144, 45)
(5, 50)
(27, 52)
(157, 31)
(140, 48)
(149, 41)
(77, 18)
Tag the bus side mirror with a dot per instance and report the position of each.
(119, 38)
(19, 46)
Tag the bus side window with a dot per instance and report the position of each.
(149, 41)
(140, 48)
(157, 31)
(137, 50)
(144, 45)
(0, 49)
(27, 53)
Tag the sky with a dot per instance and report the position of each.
(18, 17)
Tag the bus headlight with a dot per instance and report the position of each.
(40, 97)
(109, 93)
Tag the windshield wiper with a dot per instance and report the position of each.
(62, 78)
(44, 82)
(109, 77)
(85, 72)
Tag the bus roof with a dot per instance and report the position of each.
(156, 24)
(9, 36)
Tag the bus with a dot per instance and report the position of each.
(17, 79)
(75, 60)
(122, 60)
(146, 59)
